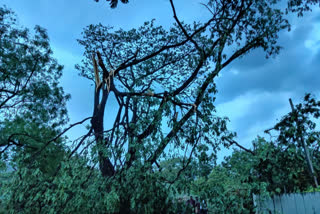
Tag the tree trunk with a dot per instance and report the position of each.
(124, 206)
(105, 164)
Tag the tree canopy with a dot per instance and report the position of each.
(292, 5)
(160, 76)
(32, 104)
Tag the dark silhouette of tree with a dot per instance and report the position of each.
(114, 3)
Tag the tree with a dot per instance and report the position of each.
(32, 105)
(31, 100)
(280, 170)
(226, 191)
(163, 83)
(298, 134)
(29, 74)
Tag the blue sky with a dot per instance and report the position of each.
(253, 91)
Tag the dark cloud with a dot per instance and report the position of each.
(253, 60)
(291, 70)
(260, 108)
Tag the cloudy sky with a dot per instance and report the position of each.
(253, 91)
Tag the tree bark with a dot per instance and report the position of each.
(105, 164)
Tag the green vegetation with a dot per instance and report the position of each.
(159, 78)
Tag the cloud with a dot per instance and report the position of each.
(294, 69)
(252, 113)
(254, 110)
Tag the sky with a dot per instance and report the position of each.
(253, 91)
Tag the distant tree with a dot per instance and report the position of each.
(228, 191)
(271, 169)
(298, 136)
(280, 170)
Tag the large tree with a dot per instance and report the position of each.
(30, 97)
(163, 84)
(32, 104)
(32, 110)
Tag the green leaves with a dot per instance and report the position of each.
(166, 134)
(32, 112)
(29, 75)
(32, 104)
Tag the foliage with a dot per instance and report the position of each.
(43, 194)
(227, 192)
(179, 174)
(78, 188)
(114, 3)
(312, 189)
(165, 136)
(273, 167)
(297, 136)
(230, 185)
(29, 75)
(300, 6)
(32, 104)
(163, 82)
